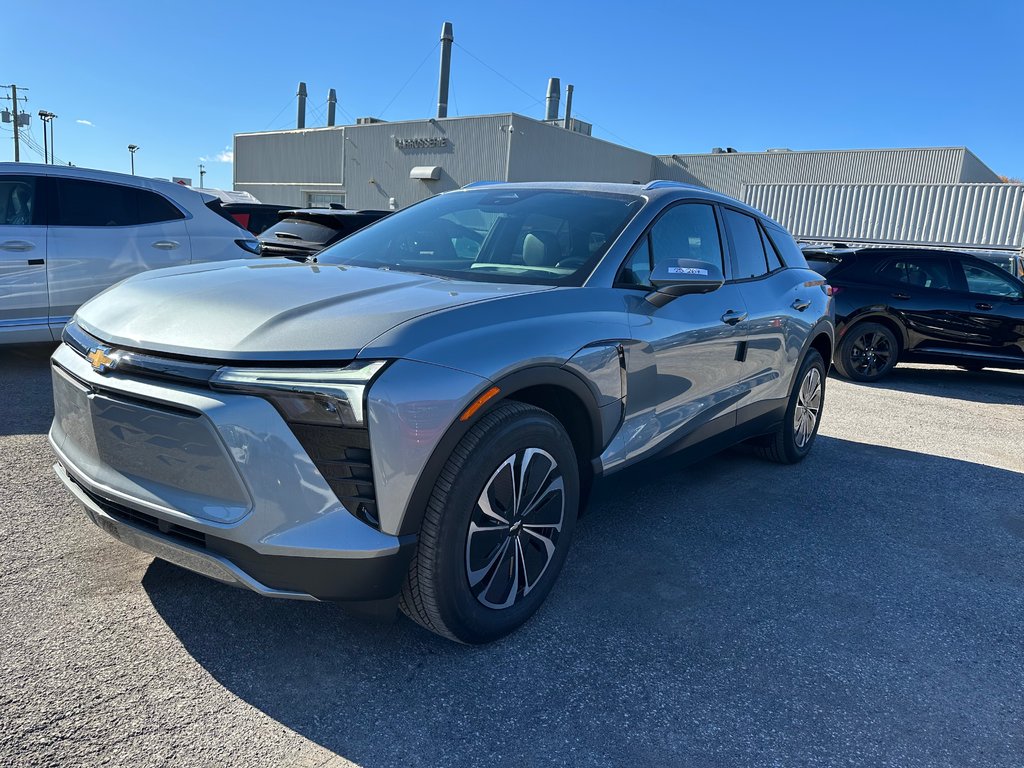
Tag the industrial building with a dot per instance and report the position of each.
(925, 196)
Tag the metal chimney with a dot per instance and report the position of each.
(300, 117)
(332, 104)
(551, 106)
(568, 108)
(447, 38)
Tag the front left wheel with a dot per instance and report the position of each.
(497, 527)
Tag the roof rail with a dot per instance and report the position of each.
(664, 184)
(473, 184)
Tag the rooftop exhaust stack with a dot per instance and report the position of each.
(332, 105)
(300, 116)
(447, 38)
(551, 105)
(568, 108)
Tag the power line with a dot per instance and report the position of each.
(414, 73)
(507, 80)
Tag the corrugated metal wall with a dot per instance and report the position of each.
(729, 172)
(283, 166)
(476, 149)
(543, 152)
(966, 215)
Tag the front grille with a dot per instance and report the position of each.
(143, 520)
(342, 455)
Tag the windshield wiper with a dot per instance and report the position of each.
(288, 235)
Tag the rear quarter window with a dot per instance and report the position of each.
(786, 246)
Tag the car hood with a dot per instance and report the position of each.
(272, 310)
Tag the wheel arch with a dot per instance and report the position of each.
(882, 318)
(552, 388)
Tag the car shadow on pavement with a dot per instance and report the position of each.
(25, 389)
(730, 612)
(999, 387)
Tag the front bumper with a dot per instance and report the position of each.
(159, 487)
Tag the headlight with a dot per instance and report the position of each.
(321, 396)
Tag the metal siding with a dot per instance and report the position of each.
(314, 156)
(966, 215)
(729, 172)
(543, 152)
(973, 170)
(477, 151)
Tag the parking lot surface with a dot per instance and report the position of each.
(865, 607)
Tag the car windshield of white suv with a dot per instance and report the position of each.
(540, 236)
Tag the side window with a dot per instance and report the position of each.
(989, 282)
(154, 208)
(786, 247)
(748, 246)
(636, 272)
(19, 202)
(687, 231)
(82, 203)
(774, 260)
(918, 272)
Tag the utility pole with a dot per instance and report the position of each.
(202, 172)
(47, 118)
(13, 98)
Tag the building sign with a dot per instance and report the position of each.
(423, 142)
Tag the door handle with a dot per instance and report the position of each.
(36, 262)
(17, 245)
(801, 304)
(901, 296)
(732, 317)
(166, 245)
(983, 305)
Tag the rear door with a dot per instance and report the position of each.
(23, 299)
(683, 371)
(103, 232)
(776, 299)
(992, 307)
(919, 290)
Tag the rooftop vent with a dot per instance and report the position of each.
(369, 120)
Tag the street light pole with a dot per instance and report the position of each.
(202, 173)
(132, 149)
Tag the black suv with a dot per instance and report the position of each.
(929, 306)
(302, 233)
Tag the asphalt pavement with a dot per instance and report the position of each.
(865, 607)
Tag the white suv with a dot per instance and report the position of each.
(68, 233)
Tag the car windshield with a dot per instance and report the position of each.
(538, 236)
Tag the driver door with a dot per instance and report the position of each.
(24, 305)
(683, 370)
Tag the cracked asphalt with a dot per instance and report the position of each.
(863, 608)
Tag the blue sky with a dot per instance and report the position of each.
(179, 79)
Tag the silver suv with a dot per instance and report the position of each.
(416, 416)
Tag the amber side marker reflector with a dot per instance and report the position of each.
(478, 403)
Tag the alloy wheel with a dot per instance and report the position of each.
(871, 354)
(514, 529)
(808, 408)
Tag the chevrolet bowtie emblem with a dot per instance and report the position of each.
(100, 359)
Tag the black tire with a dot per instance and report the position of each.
(867, 352)
(788, 445)
(438, 593)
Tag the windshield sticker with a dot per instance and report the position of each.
(687, 271)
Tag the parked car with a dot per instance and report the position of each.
(68, 233)
(930, 306)
(301, 233)
(416, 415)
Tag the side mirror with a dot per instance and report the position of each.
(678, 277)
